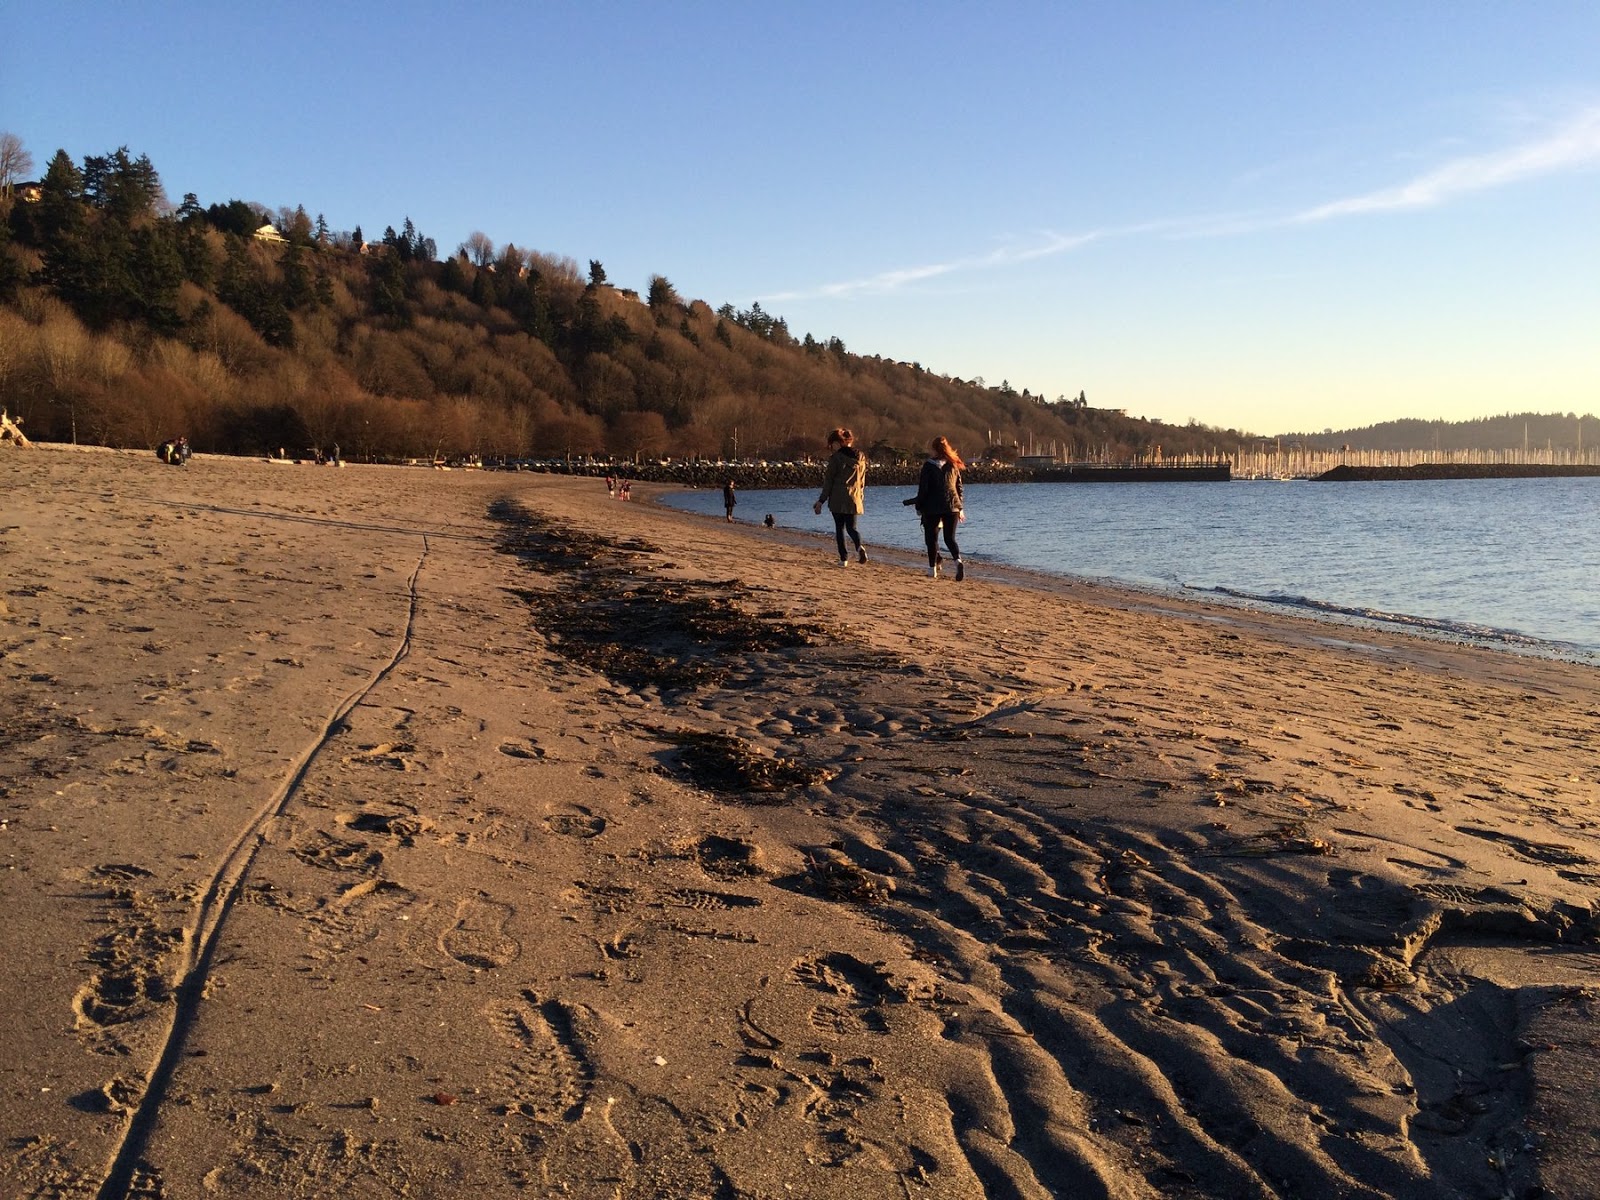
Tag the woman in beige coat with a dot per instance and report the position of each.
(844, 488)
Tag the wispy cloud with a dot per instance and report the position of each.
(1575, 145)
(1047, 245)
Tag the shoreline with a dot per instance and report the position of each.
(1132, 592)
(433, 833)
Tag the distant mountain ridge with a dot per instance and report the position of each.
(1511, 431)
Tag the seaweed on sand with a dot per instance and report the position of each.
(723, 763)
(612, 614)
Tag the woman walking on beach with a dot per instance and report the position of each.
(938, 502)
(844, 489)
(728, 498)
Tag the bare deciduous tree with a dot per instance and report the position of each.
(16, 164)
(478, 248)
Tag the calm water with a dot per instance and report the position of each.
(1514, 563)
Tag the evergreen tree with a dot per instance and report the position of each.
(540, 321)
(244, 288)
(157, 270)
(12, 273)
(484, 293)
(60, 207)
(189, 240)
(297, 287)
(235, 217)
(389, 297)
(597, 273)
(453, 275)
(663, 299)
(122, 187)
(590, 334)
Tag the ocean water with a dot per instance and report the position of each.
(1511, 563)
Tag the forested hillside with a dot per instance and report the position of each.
(125, 320)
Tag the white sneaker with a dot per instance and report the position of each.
(844, 562)
(933, 571)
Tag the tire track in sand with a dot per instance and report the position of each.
(221, 893)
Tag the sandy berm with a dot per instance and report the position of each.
(375, 832)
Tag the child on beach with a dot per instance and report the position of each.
(844, 488)
(939, 503)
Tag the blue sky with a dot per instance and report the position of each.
(1272, 216)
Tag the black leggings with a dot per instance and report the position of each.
(844, 523)
(930, 530)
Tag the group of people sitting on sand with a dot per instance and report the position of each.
(174, 451)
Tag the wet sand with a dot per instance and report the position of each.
(382, 832)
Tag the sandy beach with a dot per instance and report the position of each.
(388, 832)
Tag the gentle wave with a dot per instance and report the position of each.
(1454, 630)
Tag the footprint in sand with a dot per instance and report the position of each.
(728, 858)
(323, 850)
(551, 1080)
(521, 750)
(393, 756)
(479, 939)
(862, 990)
(552, 1074)
(1551, 853)
(580, 824)
(698, 898)
(842, 1022)
(406, 826)
(360, 914)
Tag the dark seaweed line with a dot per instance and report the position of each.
(616, 616)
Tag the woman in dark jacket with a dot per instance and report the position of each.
(938, 502)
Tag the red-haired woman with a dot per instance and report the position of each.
(938, 502)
